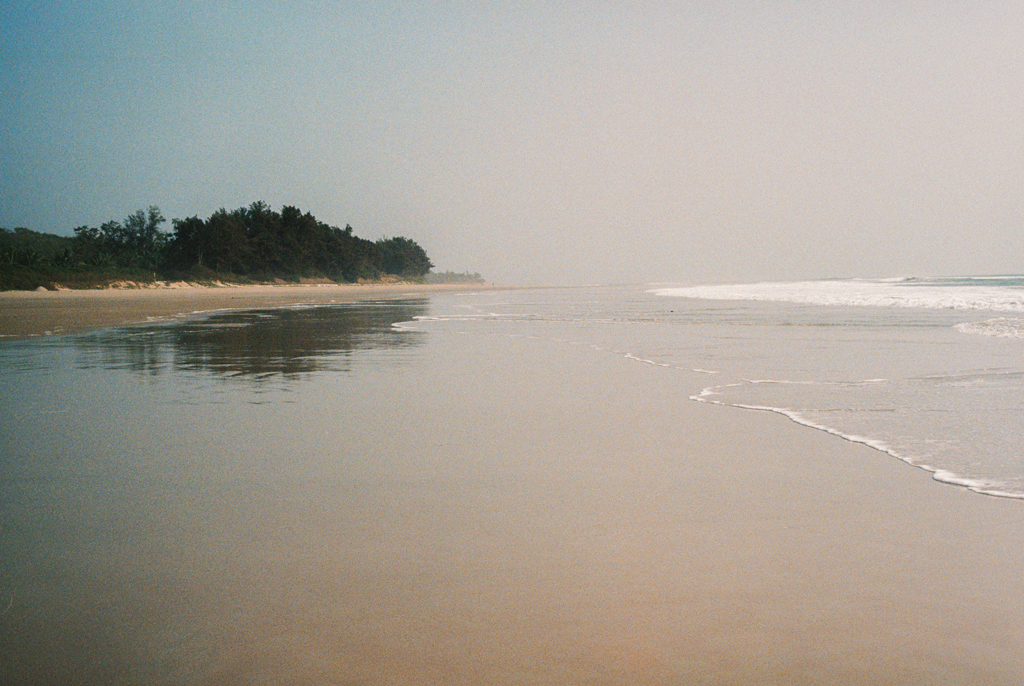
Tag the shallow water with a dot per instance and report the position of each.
(147, 476)
(934, 381)
(503, 487)
(919, 368)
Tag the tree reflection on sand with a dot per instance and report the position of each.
(256, 344)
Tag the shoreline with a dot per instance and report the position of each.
(561, 519)
(28, 314)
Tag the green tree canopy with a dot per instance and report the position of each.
(254, 242)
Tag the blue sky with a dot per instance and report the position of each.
(540, 142)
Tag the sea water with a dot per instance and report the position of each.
(929, 371)
(307, 491)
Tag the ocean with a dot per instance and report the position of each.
(929, 371)
(520, 486)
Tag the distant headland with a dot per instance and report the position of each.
(248, 245)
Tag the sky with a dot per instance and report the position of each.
(540, 143)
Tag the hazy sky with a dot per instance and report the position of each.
(540, 142)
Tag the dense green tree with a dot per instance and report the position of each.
(136, 243)
(218, 244)
(253, 242)
(356, 257)
(142, 238)
(259, 242)
(402, 256)
(20, 244)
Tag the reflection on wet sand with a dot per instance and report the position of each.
(257, 343)
(130, 517)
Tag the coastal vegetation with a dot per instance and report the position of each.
(251, 244)
(453, 277)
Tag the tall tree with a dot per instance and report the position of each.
(402, 256)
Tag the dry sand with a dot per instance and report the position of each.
(36, 313)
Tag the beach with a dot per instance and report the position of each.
(463, 500)
(35, 313)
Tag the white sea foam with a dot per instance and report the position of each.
(905, 383)
(983, 486)
(999, 294)
(1000, 327)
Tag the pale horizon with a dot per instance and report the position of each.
(545, 144)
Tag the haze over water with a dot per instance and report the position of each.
(718, 141)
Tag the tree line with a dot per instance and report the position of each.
(254, 243)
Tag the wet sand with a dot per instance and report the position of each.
(504, 510)
(591, 533)
(37, 313)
